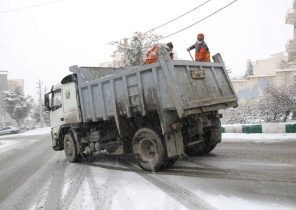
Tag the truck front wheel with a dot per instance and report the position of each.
(70, 148)
(149, 149)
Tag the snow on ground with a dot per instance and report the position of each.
(259, 137)
(233, 202)
(35, 132)
(5, 144)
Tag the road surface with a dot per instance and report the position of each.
(236, 175)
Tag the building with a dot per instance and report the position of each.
(291, 44)
(3, 88)
(278, 70)
(16, 83)
(270, 65)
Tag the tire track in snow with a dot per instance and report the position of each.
(19, 154)
(104, 194)
(55, 190)
(75, 185)
(101, 195)
(16, 175)
(22, 197)
(177, 192)
(170, 204)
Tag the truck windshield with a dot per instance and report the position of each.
(57, 99)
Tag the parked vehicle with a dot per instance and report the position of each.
(9, 130)
(159, 111)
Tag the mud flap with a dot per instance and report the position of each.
(174, 144)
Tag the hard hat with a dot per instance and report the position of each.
(201, 35)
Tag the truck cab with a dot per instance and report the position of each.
(63, 107)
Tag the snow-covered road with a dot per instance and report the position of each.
(236, 175)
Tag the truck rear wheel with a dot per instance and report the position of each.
(70, 148)
(212, 137)
(149, 149)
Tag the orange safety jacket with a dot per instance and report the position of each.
(202, 52)
(152, 54)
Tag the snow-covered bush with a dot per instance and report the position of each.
(278, 104)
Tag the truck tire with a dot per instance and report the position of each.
(196, 150)
(170, 162)
(212, 137)
(211, 148)
(149, 149)
(70, 148)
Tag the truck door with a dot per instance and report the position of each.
(56, 114)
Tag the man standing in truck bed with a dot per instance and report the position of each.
(202, 52)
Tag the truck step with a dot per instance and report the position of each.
(195, 142)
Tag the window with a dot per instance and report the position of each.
(56, 99)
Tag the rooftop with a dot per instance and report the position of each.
(3, 72)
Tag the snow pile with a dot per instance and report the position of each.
(37, 131)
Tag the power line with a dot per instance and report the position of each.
(30, 7)
(168, 22)
(183, 29)
(16, 61)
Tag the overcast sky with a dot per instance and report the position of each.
(42, 42)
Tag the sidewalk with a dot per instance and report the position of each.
(260, 128)
(258, 137)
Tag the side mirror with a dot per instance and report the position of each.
(47, 107)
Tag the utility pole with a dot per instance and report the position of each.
(40, 104)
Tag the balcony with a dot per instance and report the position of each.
(291, 46)
(291, 17)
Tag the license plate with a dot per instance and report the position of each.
(197, 74)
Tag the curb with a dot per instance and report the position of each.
(260, 128)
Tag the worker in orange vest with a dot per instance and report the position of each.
(202, 52)
(152, 54)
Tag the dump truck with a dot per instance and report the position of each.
(158, 112)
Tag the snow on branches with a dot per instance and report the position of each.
(17, 104)
(278, 104)
(132, 52)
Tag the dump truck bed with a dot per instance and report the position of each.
(185, 86)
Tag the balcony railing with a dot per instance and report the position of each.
(291, 46)
(291, 16)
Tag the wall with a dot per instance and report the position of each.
(253, 87)
(269, 66)
(266, 73)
